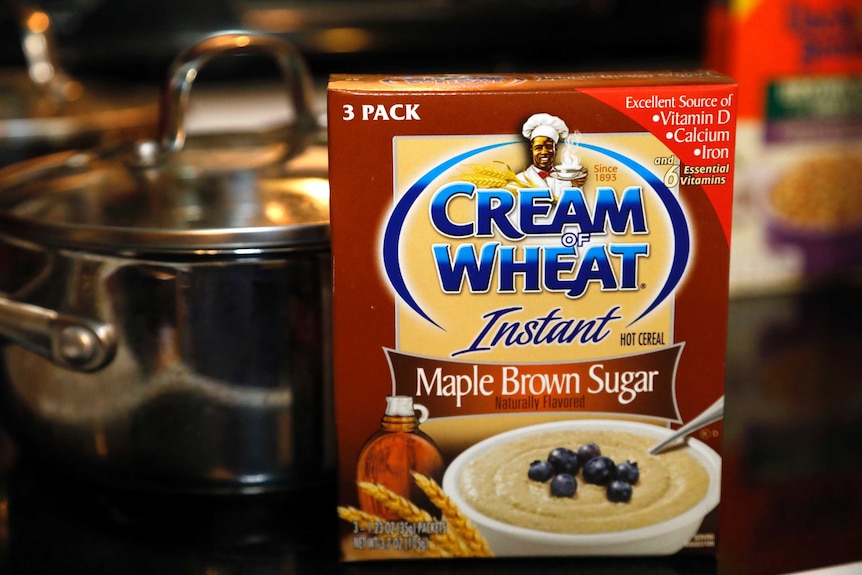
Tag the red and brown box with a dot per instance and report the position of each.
(527, 268)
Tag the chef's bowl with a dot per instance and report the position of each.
(664, 538)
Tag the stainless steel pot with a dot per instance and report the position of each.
(164, 307)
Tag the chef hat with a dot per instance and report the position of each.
(545, 125)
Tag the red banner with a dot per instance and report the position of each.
(642, 384)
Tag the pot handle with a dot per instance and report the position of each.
(186, 66)
(67, 340)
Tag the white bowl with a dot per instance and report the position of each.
(664, 538)
(571, 174)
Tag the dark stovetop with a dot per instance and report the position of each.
(792, 493)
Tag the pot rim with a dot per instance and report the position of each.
(135, 242)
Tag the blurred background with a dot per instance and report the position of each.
(136, 39)
(793, 466)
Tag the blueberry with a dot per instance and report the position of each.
(564, 460)
(587, 452)
(619, 492)
(599, 470)
(628, 471)
(540, 471)
(563, 485)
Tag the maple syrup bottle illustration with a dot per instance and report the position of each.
(394, 452)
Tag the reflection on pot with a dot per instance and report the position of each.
(219, 375)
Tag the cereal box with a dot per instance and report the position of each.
(798, 214)
(530, 295)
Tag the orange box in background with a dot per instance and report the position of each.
(798, 212)
(530, 292)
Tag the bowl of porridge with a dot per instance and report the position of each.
(813, 205)
(521, 516)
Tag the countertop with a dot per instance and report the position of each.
(791, 502)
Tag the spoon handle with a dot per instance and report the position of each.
(710, 415)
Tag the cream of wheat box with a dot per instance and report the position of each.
(530, 293)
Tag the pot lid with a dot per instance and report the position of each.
(214, 194)
(43, 105)
(87, 114)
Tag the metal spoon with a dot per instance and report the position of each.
(710, 415)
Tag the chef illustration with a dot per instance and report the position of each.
(544, 132)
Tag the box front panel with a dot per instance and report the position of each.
(497, 301)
